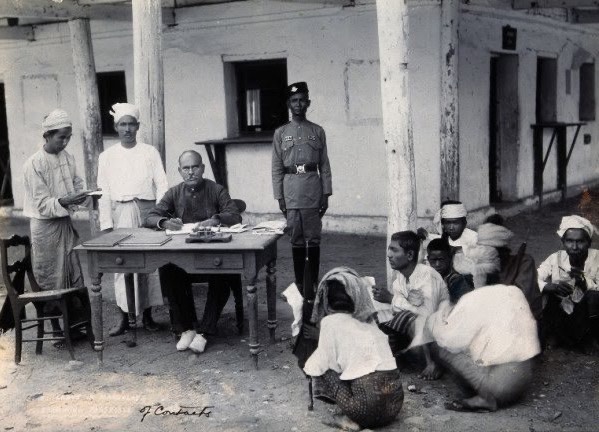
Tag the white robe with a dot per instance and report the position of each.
(125, 174)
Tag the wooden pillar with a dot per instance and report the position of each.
(147, 71)
(392, 18)
(89, 104)
(450, 139)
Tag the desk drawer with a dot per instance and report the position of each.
(219, 261)
(126, 261)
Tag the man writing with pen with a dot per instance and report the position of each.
(199, 200)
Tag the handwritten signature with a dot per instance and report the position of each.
(159, 410)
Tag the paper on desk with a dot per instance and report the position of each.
(270, 227)
(188, 228)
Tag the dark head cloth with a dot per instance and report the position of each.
(298, 87)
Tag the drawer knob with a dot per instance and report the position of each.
(217, 261)
(118, 261)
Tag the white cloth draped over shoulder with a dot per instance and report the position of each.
(492, 324)
(350, 347)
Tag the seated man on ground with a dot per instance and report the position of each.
(450, 221)
(417, 292)
(440, 258)
(194, 200)
(353, 365)
(519, 270)
(569, 281)
(487, 341)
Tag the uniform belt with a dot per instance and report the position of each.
(300, 169)
(136, 200)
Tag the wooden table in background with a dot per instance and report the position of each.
(246, 254)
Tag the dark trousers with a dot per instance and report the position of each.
(572, 330)
(176, 287)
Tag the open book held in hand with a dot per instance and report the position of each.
(190, 228)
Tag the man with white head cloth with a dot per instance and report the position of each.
(132, 180)
(569, 281)
(53, 189)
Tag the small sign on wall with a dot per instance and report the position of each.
(508, 37)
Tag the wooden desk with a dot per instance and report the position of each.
(246, 254)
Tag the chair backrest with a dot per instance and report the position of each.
(241, 206)
(14, 274)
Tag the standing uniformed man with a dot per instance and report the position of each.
(301, 178)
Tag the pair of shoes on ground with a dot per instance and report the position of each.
(193, 341)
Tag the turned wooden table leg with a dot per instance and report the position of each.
(96, 309)
(271, 298)
(253, 319)
(130, 290)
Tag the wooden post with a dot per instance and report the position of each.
(392, 18)
(89, 105)
(147, 71)
(450, 143)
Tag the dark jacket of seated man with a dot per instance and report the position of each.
(194, 200)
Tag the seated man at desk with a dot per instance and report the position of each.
(200, 200)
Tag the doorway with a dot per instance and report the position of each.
(504, 128)
(5, 177)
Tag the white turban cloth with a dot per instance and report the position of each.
(575, 221)
(57, 119)
(120, 110)
(448, 211)
(453, 211)
(494, 235)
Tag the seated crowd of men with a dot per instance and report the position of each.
(460, 300)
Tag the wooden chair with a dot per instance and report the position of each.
(14, 280)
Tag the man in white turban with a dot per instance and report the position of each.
(132, 180)
(569, 281)
(53, 189)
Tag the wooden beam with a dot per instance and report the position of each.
(585, 16)
(48, 9)
(148, 75)
(89, 104)
(532, 4)
(392, 22)
(449, 133)
(17, 33)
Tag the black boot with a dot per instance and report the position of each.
(299, 261)
(314, 258)
(147, 321)
(122, 326)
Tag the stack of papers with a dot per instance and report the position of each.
(188, 228)
(270, 227)
(145, 238)
(106, 240)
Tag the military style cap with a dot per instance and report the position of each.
(298, 87)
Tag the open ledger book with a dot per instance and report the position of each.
(188, 229)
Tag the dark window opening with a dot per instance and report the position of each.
(111, 89)
(586, 102)
(546, 90)
(261, 104)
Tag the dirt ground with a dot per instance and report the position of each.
(47, 393)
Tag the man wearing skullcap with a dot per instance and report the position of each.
(569, 281)
(301, 178)
(132, 180)
(53, 189)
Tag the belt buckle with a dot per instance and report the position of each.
(301, 169)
